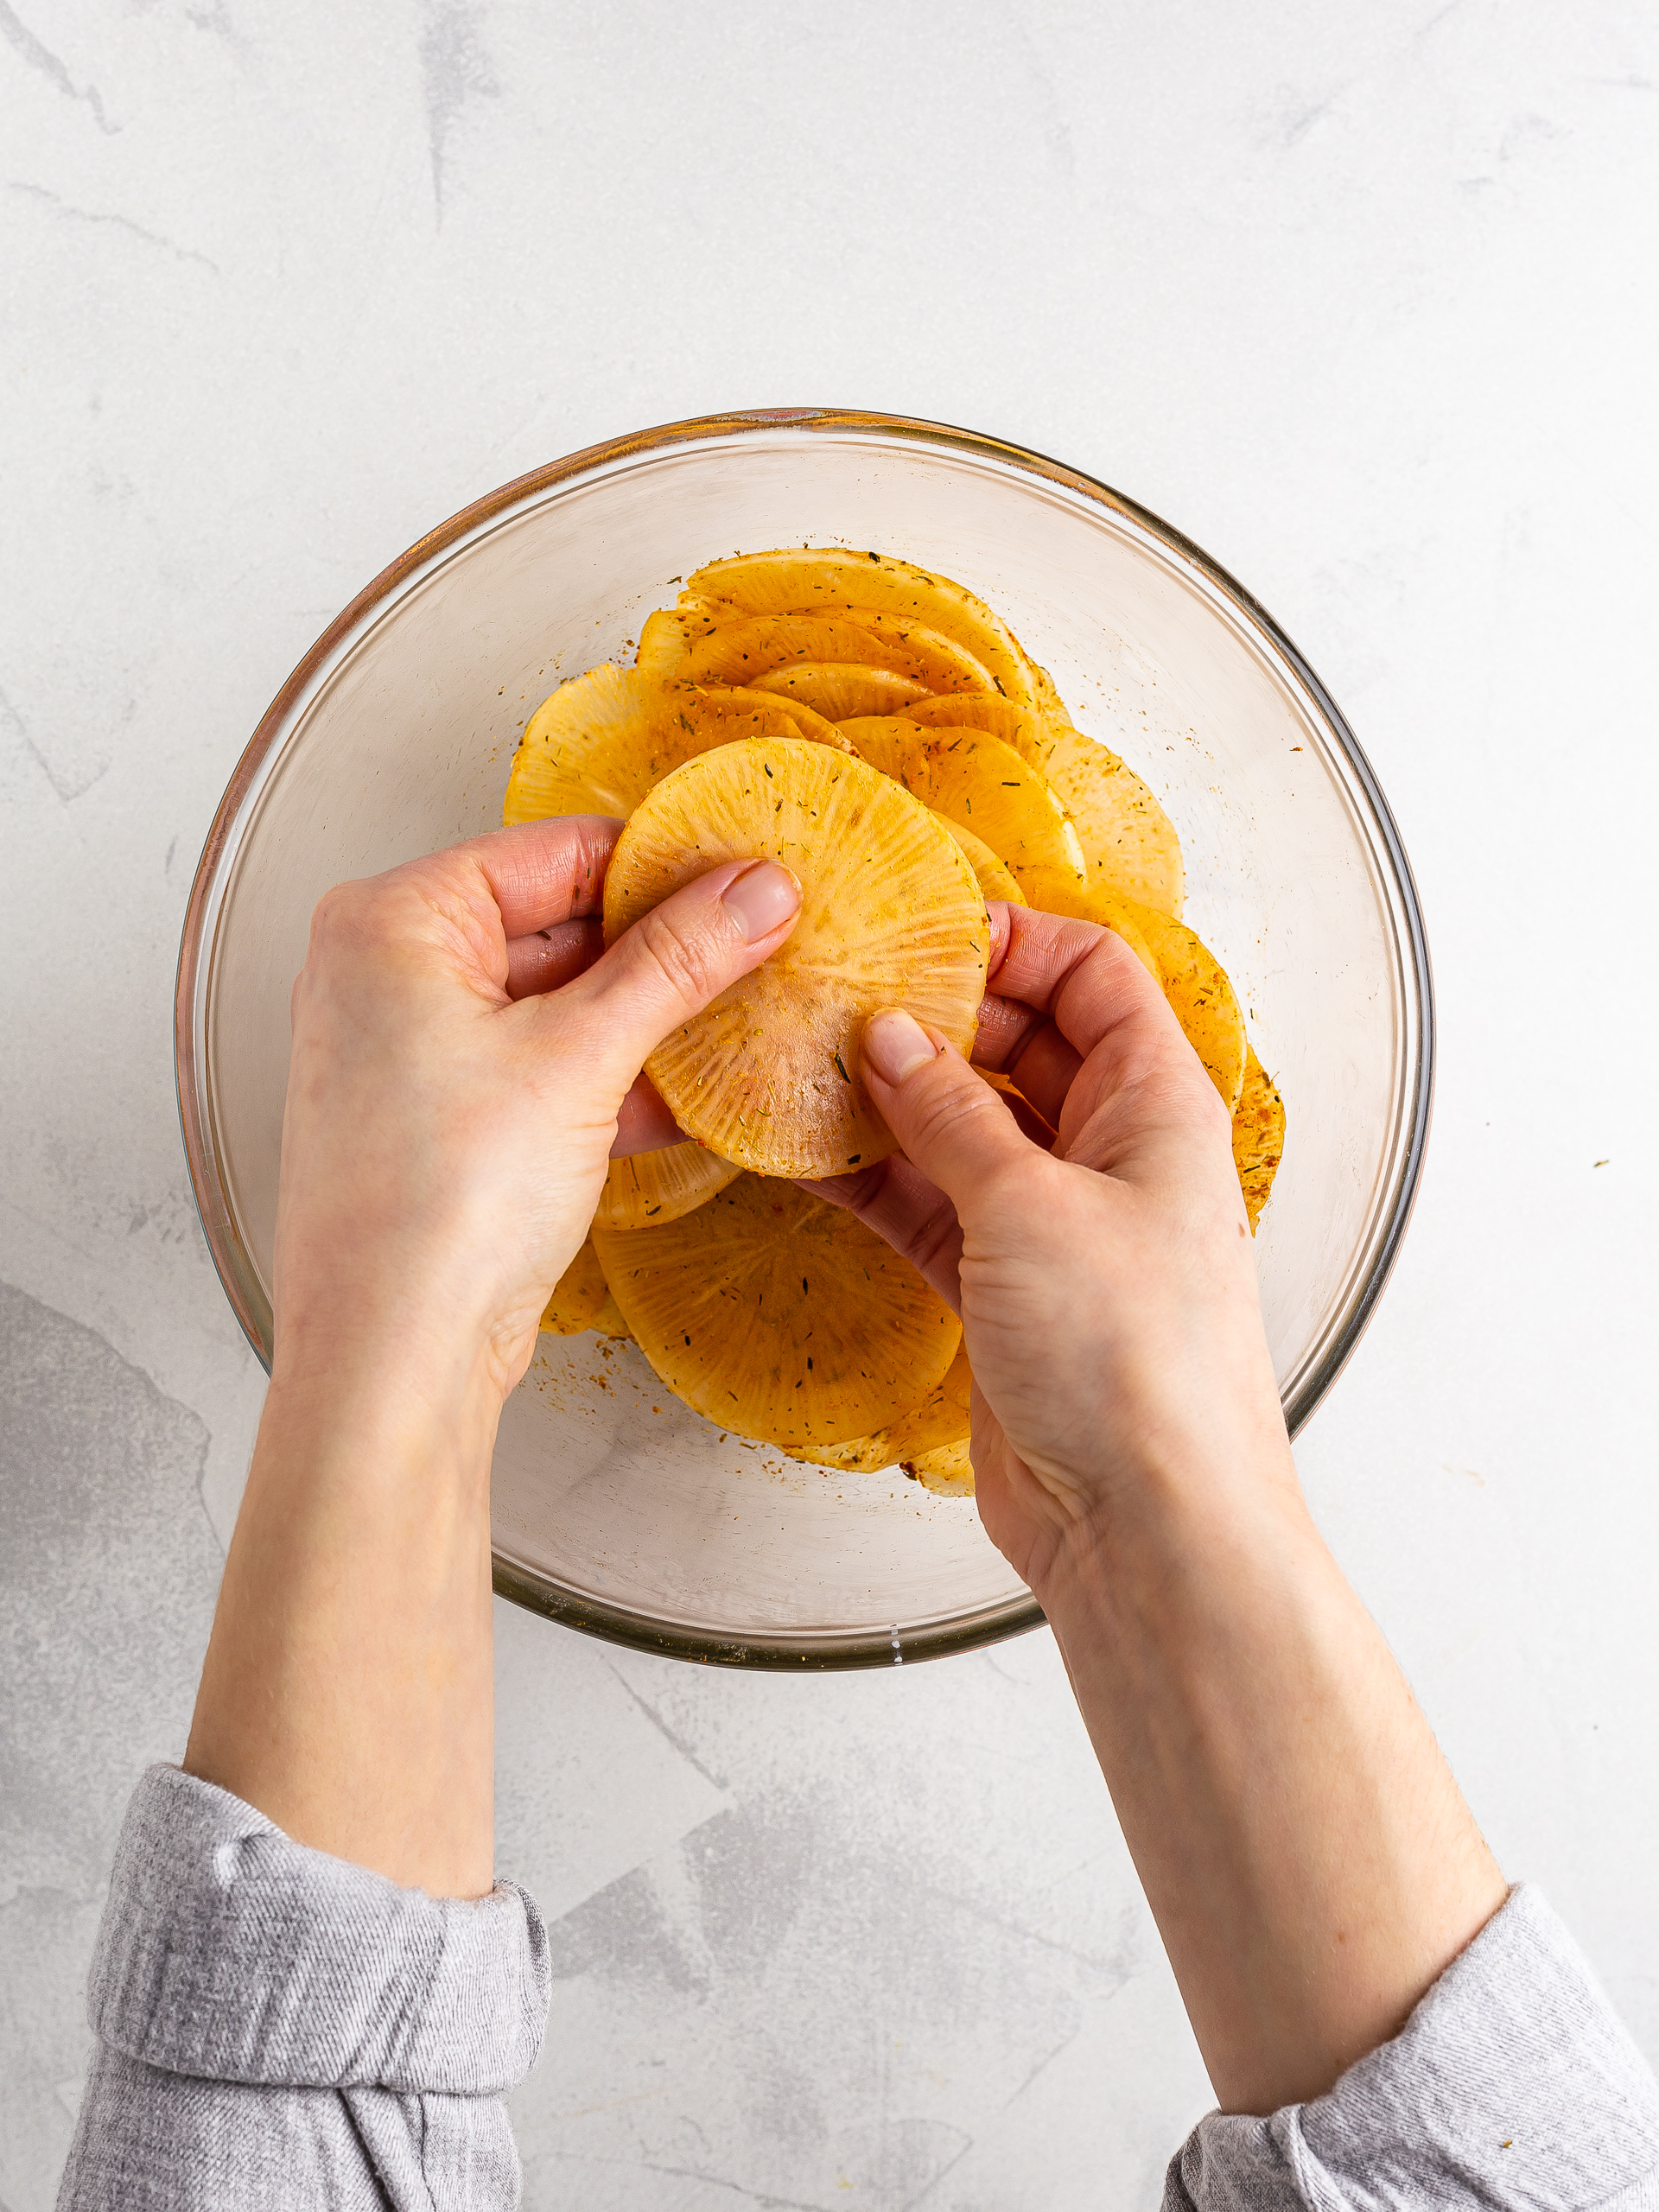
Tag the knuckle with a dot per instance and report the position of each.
(341, 918)
(356, 926)
(381, 911)
(330, 910)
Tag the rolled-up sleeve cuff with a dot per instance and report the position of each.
(230, 1952)
(1513, 2084)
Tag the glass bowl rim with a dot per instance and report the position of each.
(795, 1650)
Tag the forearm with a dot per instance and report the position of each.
(444, 1142)
(348, 1685)
(1309, 1860)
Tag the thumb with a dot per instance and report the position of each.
(677, 957)
(948, 1123)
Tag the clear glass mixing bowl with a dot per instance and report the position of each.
(616, 1509)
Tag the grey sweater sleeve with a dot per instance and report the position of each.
(1512, 2087)
(277, 2028)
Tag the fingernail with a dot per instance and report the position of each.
(896, 1043)
(761, 898)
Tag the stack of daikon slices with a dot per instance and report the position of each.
(880, 730)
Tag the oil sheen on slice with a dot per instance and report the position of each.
(739, 651)
(828, 581)
(981, 782)
(839, 688)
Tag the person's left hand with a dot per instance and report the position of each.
(462, 1053)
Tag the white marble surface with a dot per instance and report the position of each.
(1360, 299)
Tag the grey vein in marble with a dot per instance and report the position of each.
(454, 70)
(61, 206)
(41, 57)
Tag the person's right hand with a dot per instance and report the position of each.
(1304, 1848)
(1107, 1288)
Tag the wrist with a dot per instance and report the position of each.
(432, 1303)
(356, 1390)
(1179, 1507)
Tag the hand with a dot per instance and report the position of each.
(462, 1054)
(1107, 1288)
(1310, 1863)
